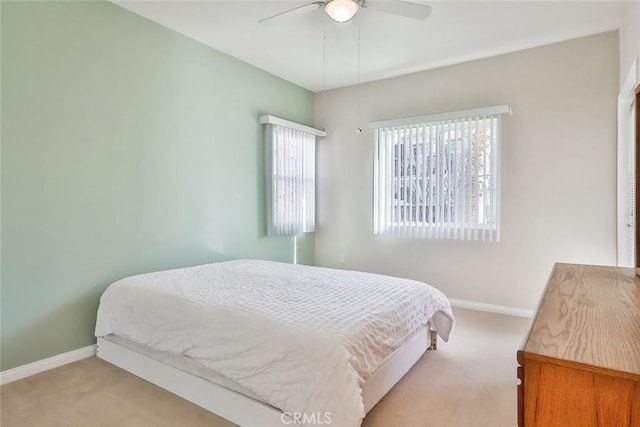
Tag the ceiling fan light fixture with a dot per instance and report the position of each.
(341, 10)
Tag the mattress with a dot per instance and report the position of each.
(185, 364)
(302, 339)
(372, 389)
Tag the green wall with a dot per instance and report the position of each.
(126, 148)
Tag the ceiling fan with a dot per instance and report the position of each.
(344, 10)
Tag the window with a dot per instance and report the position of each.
(627, 113)
(291, 176)
(437, 176)
(628, 257)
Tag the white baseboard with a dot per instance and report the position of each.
(491, 308)
(24, 371)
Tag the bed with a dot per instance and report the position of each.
(270, 344)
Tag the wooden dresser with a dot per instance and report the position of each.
(580, 360)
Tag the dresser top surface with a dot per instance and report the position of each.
(589, 315)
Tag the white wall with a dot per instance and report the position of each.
(629, 38)
(559, 170)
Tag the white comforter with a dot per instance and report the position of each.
(302, 339)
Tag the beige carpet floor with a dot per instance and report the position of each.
(468, 382)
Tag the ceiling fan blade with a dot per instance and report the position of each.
(405, 9)
(291, 13)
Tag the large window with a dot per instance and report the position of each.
(437, 176)
(627, 126)
(291, 176)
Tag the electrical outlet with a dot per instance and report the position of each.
(341, 258)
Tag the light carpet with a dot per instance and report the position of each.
(468, 382)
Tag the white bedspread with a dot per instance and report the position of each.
(302, 339)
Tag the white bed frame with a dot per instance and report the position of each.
(244, 410)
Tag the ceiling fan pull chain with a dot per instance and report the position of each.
(358, 89)
(324, 72)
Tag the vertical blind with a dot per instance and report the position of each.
(439, 178)
(291, 180)
(631, 176)
(626, 180)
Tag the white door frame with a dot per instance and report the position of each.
(626, 99)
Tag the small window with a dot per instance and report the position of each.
(291, 176)
(437, 176)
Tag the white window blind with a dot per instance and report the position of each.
(438, 176)
(626, 200)
(631, 171)
(290, 168)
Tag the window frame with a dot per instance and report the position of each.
(301, 176)
(460, 123)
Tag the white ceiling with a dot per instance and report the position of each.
(457, 31)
